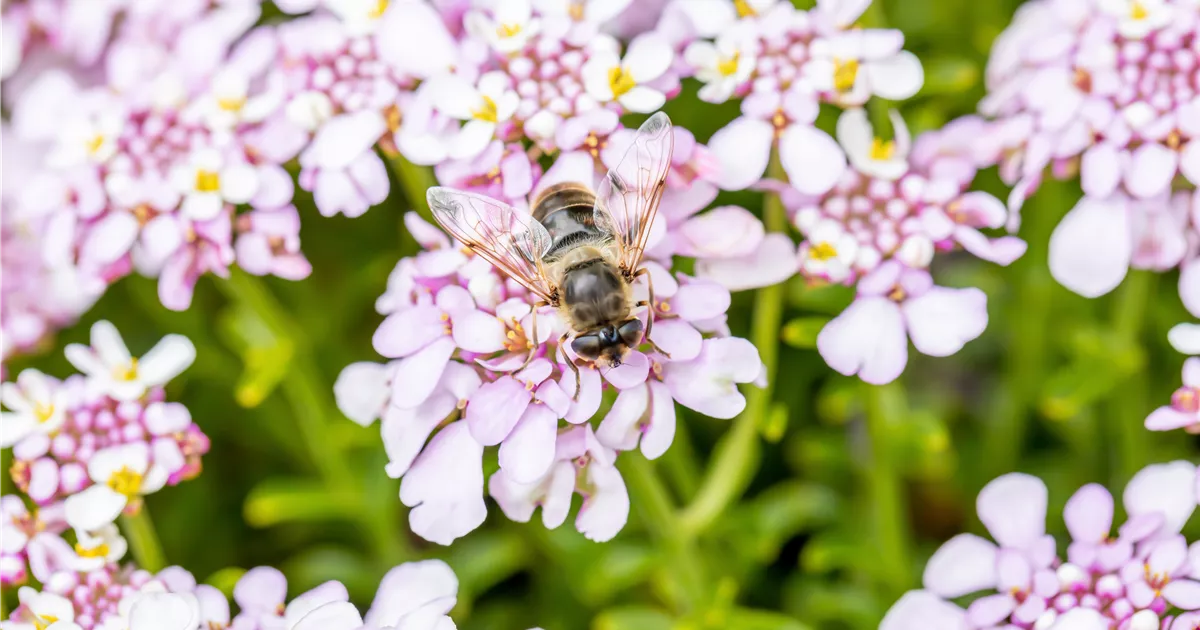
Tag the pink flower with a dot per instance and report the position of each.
(1184, 410)
(870, 338)
(444, 486)
(340, 168)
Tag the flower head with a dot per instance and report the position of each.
(111, 369)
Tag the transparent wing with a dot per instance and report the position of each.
(627, 199)
(506, 237)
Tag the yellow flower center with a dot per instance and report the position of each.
(486, 112)
(99, 551)
(897, 294)
(126, 481)
(41, 622)
(93, 145)
(126, 373)
(822, 251)
(620, 81)
(231, 104)
(575, 10)
(43, 412)
(508, 30)
(207, 181)
(882, 149)
(377, 11)
(1137, 10)
(744, 9)
(729, 66)
(844, 74)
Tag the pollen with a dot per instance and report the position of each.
(485, 112)
(126, 373)
(1137, 10)
(43, 412)
(231, 104)
(508, 30)
(882, 149)
(1174, 140)
(126, 481)
(844, 74)
(728, 67)
(897, 294)
(394, 117)
(664, 307)
(575, 10)
(99, 551)
(207, 181)
(822, 251)
(744, 9)
(94, 144)
(620, 81)
(1186, 399)
(377, 11)
(41, 622)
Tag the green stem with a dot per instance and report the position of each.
(650, 496)
(736, 456)
(143, 540)
(889, 505)
(1028, 313)
(680, 465)
(309, 400)
(1127, 405)
(415, 180)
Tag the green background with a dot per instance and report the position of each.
(818, 510)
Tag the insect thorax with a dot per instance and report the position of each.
(593, 293)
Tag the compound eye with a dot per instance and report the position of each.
(631, 332)
(586, 346)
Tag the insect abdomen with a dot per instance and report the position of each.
(566, 210)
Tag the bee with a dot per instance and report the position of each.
(580, 251)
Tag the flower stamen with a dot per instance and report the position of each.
(127, 373)
(620, 81)
(844, 74)
(126, 481)
(487, 111)
(207, 181)
(882, 149)
(822, 251)
(727, 67)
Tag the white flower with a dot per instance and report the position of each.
(208, 180)
(360, 17)
(609, 78)
(89, 138)
(830, 253)
(98, 548)
(36, 404)
(871, 156)
(228, 101)
(309, 109)
(1138, 18)
(121, 475)
(593, 11)
(42, 611)
(855, 65)
(482, 106)
(110, 368)
(751, 8)
(722, 66)
(165, 611)
(508, 29)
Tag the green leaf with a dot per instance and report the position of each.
(949, 75)
(802, 332)
(633, 618)
(282, 500)
(321, 564)
(752, 619)
(485, 559)
(225, 579)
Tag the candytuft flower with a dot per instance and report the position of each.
(121, 476)
(608, 77)
(113, 371)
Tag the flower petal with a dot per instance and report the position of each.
(1013, 508)
(813, 160)
(867, 339)
(962, 565)
(742, 147)
(1091, 248)
(528, 451)
(942, 320)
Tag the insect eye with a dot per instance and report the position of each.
(631, 332)
(587, 346)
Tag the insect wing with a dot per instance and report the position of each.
(628, 197)
(509, 239)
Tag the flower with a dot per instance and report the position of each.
(36, 403)
(608, 78)
(98, 548)
(40, 611)
(508, 29)
(1104, 582)
(340, 167)
(483, 106)
(113, 371)
(724, 65)
(121, 476)
(869, 338)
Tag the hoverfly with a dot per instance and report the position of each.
(580, 251)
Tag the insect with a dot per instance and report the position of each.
(580, 251)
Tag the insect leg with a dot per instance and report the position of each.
(570, 362)
(650, 311)
(534, 344)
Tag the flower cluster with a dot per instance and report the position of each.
(89, 447)
(111, 596)
(1140, 578)
(1105, 89)
(473, 369)
(872, 212)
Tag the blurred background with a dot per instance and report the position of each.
(850, 487)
